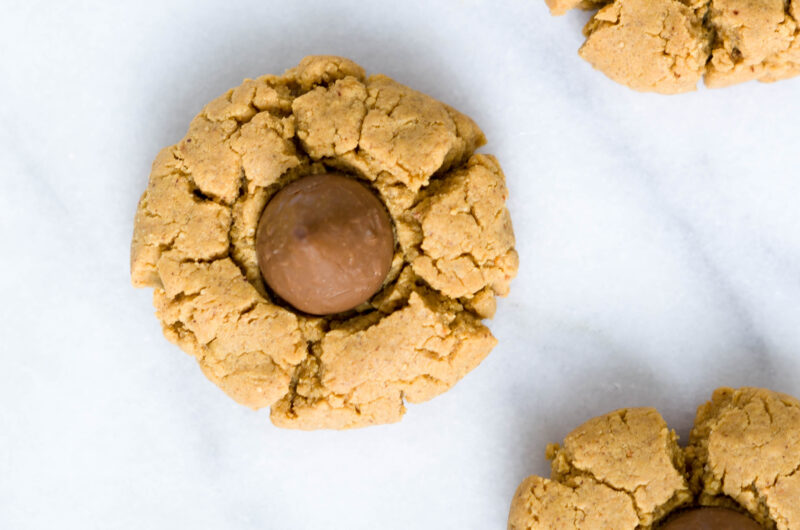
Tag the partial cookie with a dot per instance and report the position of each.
(621, 471)
(667, 46)
(560, 7)
(754, 39)
(648, 45)
(625, 470)
(195, 243)
(745, 446)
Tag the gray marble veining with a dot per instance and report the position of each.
(659, 241)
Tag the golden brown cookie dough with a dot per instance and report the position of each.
(195, 229)
(621, 471)
(626, 471)
(667, 46)
(754, 39)
(648, 45)
(745, 446)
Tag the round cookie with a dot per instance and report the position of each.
(625, 470)
(194, 243)
(667, 46)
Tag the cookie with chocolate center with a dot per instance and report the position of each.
(626, 471)
(327, 244)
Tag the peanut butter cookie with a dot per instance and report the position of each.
(667, 46)
(450, 246)
(625, 470)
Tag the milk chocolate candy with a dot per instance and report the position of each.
(325, 244)
(711, 519)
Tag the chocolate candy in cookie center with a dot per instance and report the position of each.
(710, 519)
(325, 244)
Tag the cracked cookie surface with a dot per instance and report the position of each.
(667, 46)
(626, 471)
(194, 243)
(745, 446)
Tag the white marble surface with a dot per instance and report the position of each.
(659, 241)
